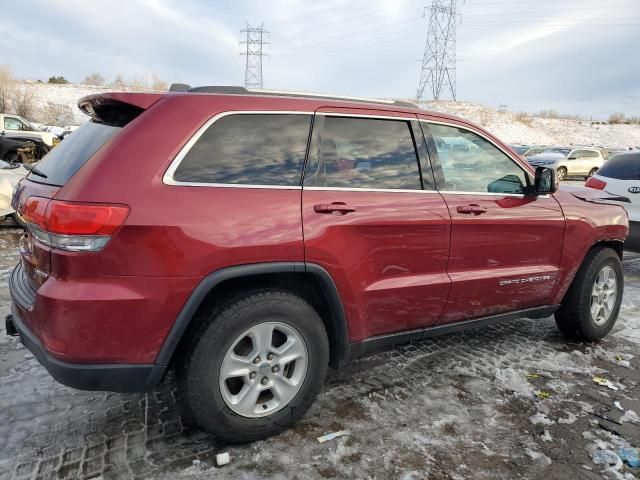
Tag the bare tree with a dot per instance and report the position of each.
(94, 79)
(7, 87)
(138, 83)
(23, 100)
(118, 82)
(159, 84)
(616, 118)
(57, 114)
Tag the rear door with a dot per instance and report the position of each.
(505, 243)
(369, 220)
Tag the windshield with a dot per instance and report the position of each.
(63, 161)
(30, 125)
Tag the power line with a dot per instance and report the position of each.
(255, 40)
(439, 58)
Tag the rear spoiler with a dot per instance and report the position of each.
(117, 108)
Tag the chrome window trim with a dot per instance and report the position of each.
(354, 189)
(490, 194)
(168, 179)
(364, 115)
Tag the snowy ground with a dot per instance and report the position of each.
(510, 401)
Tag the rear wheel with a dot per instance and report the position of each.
(561, 174)
(590, 308)
(592, 172)
(256, 367)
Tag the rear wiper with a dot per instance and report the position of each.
(33, 169)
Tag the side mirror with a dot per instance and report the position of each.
(545, 181)
(572, 157)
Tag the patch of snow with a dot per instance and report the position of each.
(540, 419)
(630, 416)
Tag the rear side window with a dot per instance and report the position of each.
(366, 153)
(63, 161)
(248, 149)
(622, 167)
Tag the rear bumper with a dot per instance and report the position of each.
(106, 377)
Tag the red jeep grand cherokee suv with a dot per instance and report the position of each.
(251, 239)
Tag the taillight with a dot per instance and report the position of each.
(72, 226)
(596, 183)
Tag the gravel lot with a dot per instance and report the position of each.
(511, 401)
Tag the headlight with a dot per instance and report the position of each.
(55, 141)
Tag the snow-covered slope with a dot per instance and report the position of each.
(509, 127)
(516, 128)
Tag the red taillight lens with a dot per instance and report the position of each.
(69, 218)
(72, 226)
(595, 183)
(34, 210)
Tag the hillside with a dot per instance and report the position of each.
(59, 103)
(514, 128)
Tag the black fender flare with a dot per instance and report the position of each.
(183, 320)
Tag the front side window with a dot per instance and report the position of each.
(248, 149)
(11, 123)
(366, 153)
(472, 164)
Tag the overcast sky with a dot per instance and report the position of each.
(574, 56)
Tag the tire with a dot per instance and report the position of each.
(235, 329)
(561, 174)
(574, 318)
(592, 172)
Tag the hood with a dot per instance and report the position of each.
(592, 195)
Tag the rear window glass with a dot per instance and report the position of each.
(622, 167)
(366, 153)
(249, 149)
(63, 161)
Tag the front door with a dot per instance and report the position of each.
(368, 220)
(505, 242)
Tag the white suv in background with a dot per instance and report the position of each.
(620, 177)
(568, 161)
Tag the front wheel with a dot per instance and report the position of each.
(561, 174)
(256, 367)
(590, 308)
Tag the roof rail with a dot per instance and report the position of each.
(232, 90)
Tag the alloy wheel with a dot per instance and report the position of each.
(603, 295)
(263, 369)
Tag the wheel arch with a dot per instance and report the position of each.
(615, 244)
(310, 281)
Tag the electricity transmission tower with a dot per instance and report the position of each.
(255, 39)
(439, 59)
